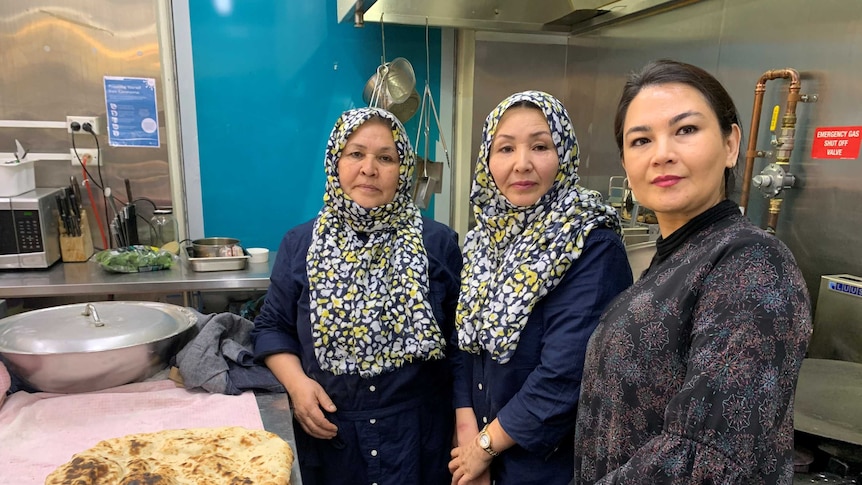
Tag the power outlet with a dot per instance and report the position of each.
(92, 152)
(92, 120)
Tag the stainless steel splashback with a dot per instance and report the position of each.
(737, 40)
(54, 55)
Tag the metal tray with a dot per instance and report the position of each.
(222, 263)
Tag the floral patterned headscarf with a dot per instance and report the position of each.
(517, 255)
(370, 311)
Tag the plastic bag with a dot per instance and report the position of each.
(134, 259)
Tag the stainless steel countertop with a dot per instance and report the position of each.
(63, 279)
(277, 418)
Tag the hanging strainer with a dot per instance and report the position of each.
(393, 86)
(393, 83)
(399, 80)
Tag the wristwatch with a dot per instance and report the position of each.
(485, 442)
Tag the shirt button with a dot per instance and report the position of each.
(372, 388)
(372, 420)
(485, 419)
(480, 386)
(373, 452)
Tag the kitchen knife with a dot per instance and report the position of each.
(74, 220)
(73, 201)
(75, 213)
(76, 189)
(132, 224)
(70, 211)
(61, 208)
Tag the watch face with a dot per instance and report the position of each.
(484, 440)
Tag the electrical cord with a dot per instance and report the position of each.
(144, 199)
(89, 129)
(101, 185)
(84, 165)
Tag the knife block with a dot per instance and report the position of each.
(76, 249)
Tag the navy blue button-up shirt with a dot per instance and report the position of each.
(394, 428)
(535, 395)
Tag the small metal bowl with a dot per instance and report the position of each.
(213, 247)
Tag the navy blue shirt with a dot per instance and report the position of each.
(534, 395)
(394, 428)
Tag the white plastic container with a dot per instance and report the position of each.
(17, 178)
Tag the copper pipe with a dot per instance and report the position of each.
(788, 125)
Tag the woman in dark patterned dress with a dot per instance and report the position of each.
(543, 261)
(358, 316)
(690, 375)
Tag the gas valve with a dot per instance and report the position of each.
(772, 180)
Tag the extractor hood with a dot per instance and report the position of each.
(553, 16)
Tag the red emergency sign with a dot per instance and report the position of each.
(837, 142)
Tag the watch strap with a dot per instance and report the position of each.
(489, 449)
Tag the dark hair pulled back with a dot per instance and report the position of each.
(666, 71)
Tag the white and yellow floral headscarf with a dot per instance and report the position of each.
(517, 255)
(370, 311)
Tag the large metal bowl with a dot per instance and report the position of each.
(92, 346)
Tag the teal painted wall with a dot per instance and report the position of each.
(271, 77)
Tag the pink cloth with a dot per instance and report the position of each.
(40, 431)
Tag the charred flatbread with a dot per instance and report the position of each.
(231, 455)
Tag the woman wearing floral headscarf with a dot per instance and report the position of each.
(358, 315)
(542, 262)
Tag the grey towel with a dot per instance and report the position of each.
(218, 359)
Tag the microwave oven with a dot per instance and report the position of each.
(30, 229)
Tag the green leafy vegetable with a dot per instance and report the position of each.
(134, 259)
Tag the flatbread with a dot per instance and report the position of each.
(230, 455)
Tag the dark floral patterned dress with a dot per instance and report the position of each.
(690, 376)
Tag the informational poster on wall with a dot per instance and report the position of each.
(132, 116)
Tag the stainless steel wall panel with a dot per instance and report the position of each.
(580, 92)
(608, 55)
(737, 40)
(54, 56)
(503, 68)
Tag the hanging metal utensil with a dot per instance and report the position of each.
(405, 111)
(393, 84)
(428, 182)
(375, 95)
(399, 80)
(429, 178)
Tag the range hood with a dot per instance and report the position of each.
(552, 16)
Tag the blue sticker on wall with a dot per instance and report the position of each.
(132, 116)
(845, 288)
